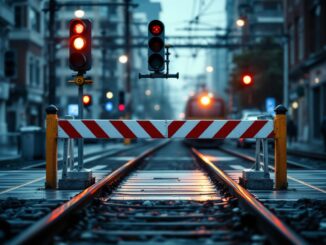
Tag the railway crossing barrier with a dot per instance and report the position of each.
(261, 130)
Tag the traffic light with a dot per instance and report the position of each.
(10, 63)
(80, 45)
(87, 100)
(156, 46)
(247, 79)
(121, 105)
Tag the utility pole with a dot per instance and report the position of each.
(51, 50)
(127, 16)
(286, 72)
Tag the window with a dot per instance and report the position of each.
(300, 39)
(37, 73)
(292, 41)
(315, 29)
(18, 16)
(34, 20)
(113, 10)
(31, 71)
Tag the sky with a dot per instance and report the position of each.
(176, 14)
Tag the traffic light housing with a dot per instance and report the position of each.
(10, 63)
(87, 100)
(247, 80)
(121, 105)
(80, 45)
(156, 50)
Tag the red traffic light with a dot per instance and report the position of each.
(156, 27)
(121, 107)
(79, 27)
(87, 100)
(156, 53)
(80, 45)
(247, 79)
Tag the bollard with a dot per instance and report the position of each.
(51, 147)
(280, 148)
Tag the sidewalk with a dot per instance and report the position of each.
(10, 155)
(304, 148)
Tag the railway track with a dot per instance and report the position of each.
(292, 163)
(144, 202)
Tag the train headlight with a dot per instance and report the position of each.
(205, 100)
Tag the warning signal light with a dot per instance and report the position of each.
(247, 79)
(156, 50)
(80, 45)
(87, 100)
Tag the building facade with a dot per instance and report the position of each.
(107, 21)
(262, 19)
(305, 20)
(26, 40)
(6, 23)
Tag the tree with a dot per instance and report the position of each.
(264, 62)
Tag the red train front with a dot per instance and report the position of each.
(205, 105)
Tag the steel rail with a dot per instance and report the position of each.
(251, 159)
(42, 230)
(274, 228)
(300, 153)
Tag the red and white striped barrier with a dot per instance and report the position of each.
(189, 129)
(220, 129)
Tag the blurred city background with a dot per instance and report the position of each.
(279, 45)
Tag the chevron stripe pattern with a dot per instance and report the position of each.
(158, 129)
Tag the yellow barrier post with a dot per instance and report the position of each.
(51, 147)
(280, 148)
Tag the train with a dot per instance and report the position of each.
(204, 105)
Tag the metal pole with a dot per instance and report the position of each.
(257, 164)
(80, 141)
(286, 73)
(128, 54)
(52, 73)
(265, 155)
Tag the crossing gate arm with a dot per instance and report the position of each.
(159, 129)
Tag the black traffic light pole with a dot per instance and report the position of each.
(52, 71)
(128, 54)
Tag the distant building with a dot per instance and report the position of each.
(107, 22)
(262, 18)
(217, 80)
(6, 23)
(26, 103)
(305, 24)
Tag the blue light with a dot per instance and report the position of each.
(73, 110)
(109, 106)
(270, 105)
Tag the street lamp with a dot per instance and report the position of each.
(295, 105)
(123, 59)
(209, 69)
(109, 95)
(157, 107)
(240, 22)
(79, 13)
